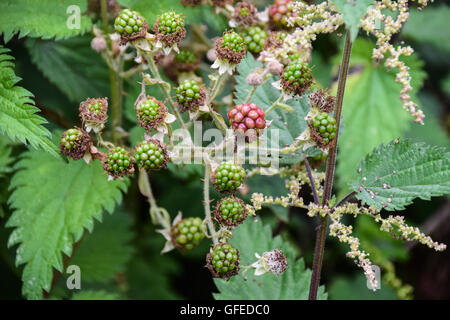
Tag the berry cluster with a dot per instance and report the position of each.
(188, 233)
(324, 128)
(245, 13)
(190, 95)
(223, 260)
(279, 13)
(228, 177)
(247, 116)
(231, 47)
(230, 211)
(322, 100)
(254, 38)
(169, 28)
(118, 163)
(93, 113)
(130, 25)
(151, 113)
(185, 61)
(296, 77)
(150, 155)
(74, 143)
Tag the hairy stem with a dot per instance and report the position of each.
(216, 86)
(206, 203)
(329, 175)
(311, 180)
(344, 200)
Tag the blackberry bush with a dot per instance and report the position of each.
(223, 260)
(118, 163)
(231, 47)
(151, 155)
(230, 211)
(228, 177)
(190, 95)
(188, 233)
(254, 38)
(324, 128)
(296, 78)
(169, 28)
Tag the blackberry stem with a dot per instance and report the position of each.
(206, 203)
(215, 89)
(329, 175)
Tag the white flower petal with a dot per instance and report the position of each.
(203, 108)
(216, 64)
(170, 118)
(168, 247)
(276, 84)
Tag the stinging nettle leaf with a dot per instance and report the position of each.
(18, 117)
(47, 19)
(254, 237)
(352, 11)
(393, 175)
(54, 203)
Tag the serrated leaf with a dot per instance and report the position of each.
(54, 202)
(352, 12)
(435, 18)
(104, 253)
(393, 175)
(72, 66)
(44, 18)
(253, 237)
(372, 110)
(5, 156)
(289, 124)
(94, 295)
(18, 117)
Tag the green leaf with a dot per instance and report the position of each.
(372, 111)
(5, 156)
(72, 66)
(43, 18)
(355, 288)
(393, 175)
(104, 253)
(289, 124)
(352, 11)
(54, 203)
(253, 237)
(18, 117)
(435, 18)
(95, 295)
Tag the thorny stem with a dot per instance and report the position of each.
(206, 203)
(329, 175)
(311, 180)
(155, 73)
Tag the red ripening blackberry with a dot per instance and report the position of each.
(247, 116)
(279, 13)
(188, 233)
(223, 261)
(230, 211)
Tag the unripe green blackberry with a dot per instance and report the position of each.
(245, 13)
(230, 211)
(151, 113)
(254, 38)
(74, 143)
(151, 155)
(228, 177)
(185, 61)
(231, 47)
(188, 233)
(296, 78)
(169, 28)
(190, 95)
(223, 260)
(275, 39)
(322, 100)
(118, 163)
(324, 128)
(93, 113)
(130, 25)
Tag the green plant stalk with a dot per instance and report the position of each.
(206, 203)
(215, 89)
(329, 175)
(166, 91)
